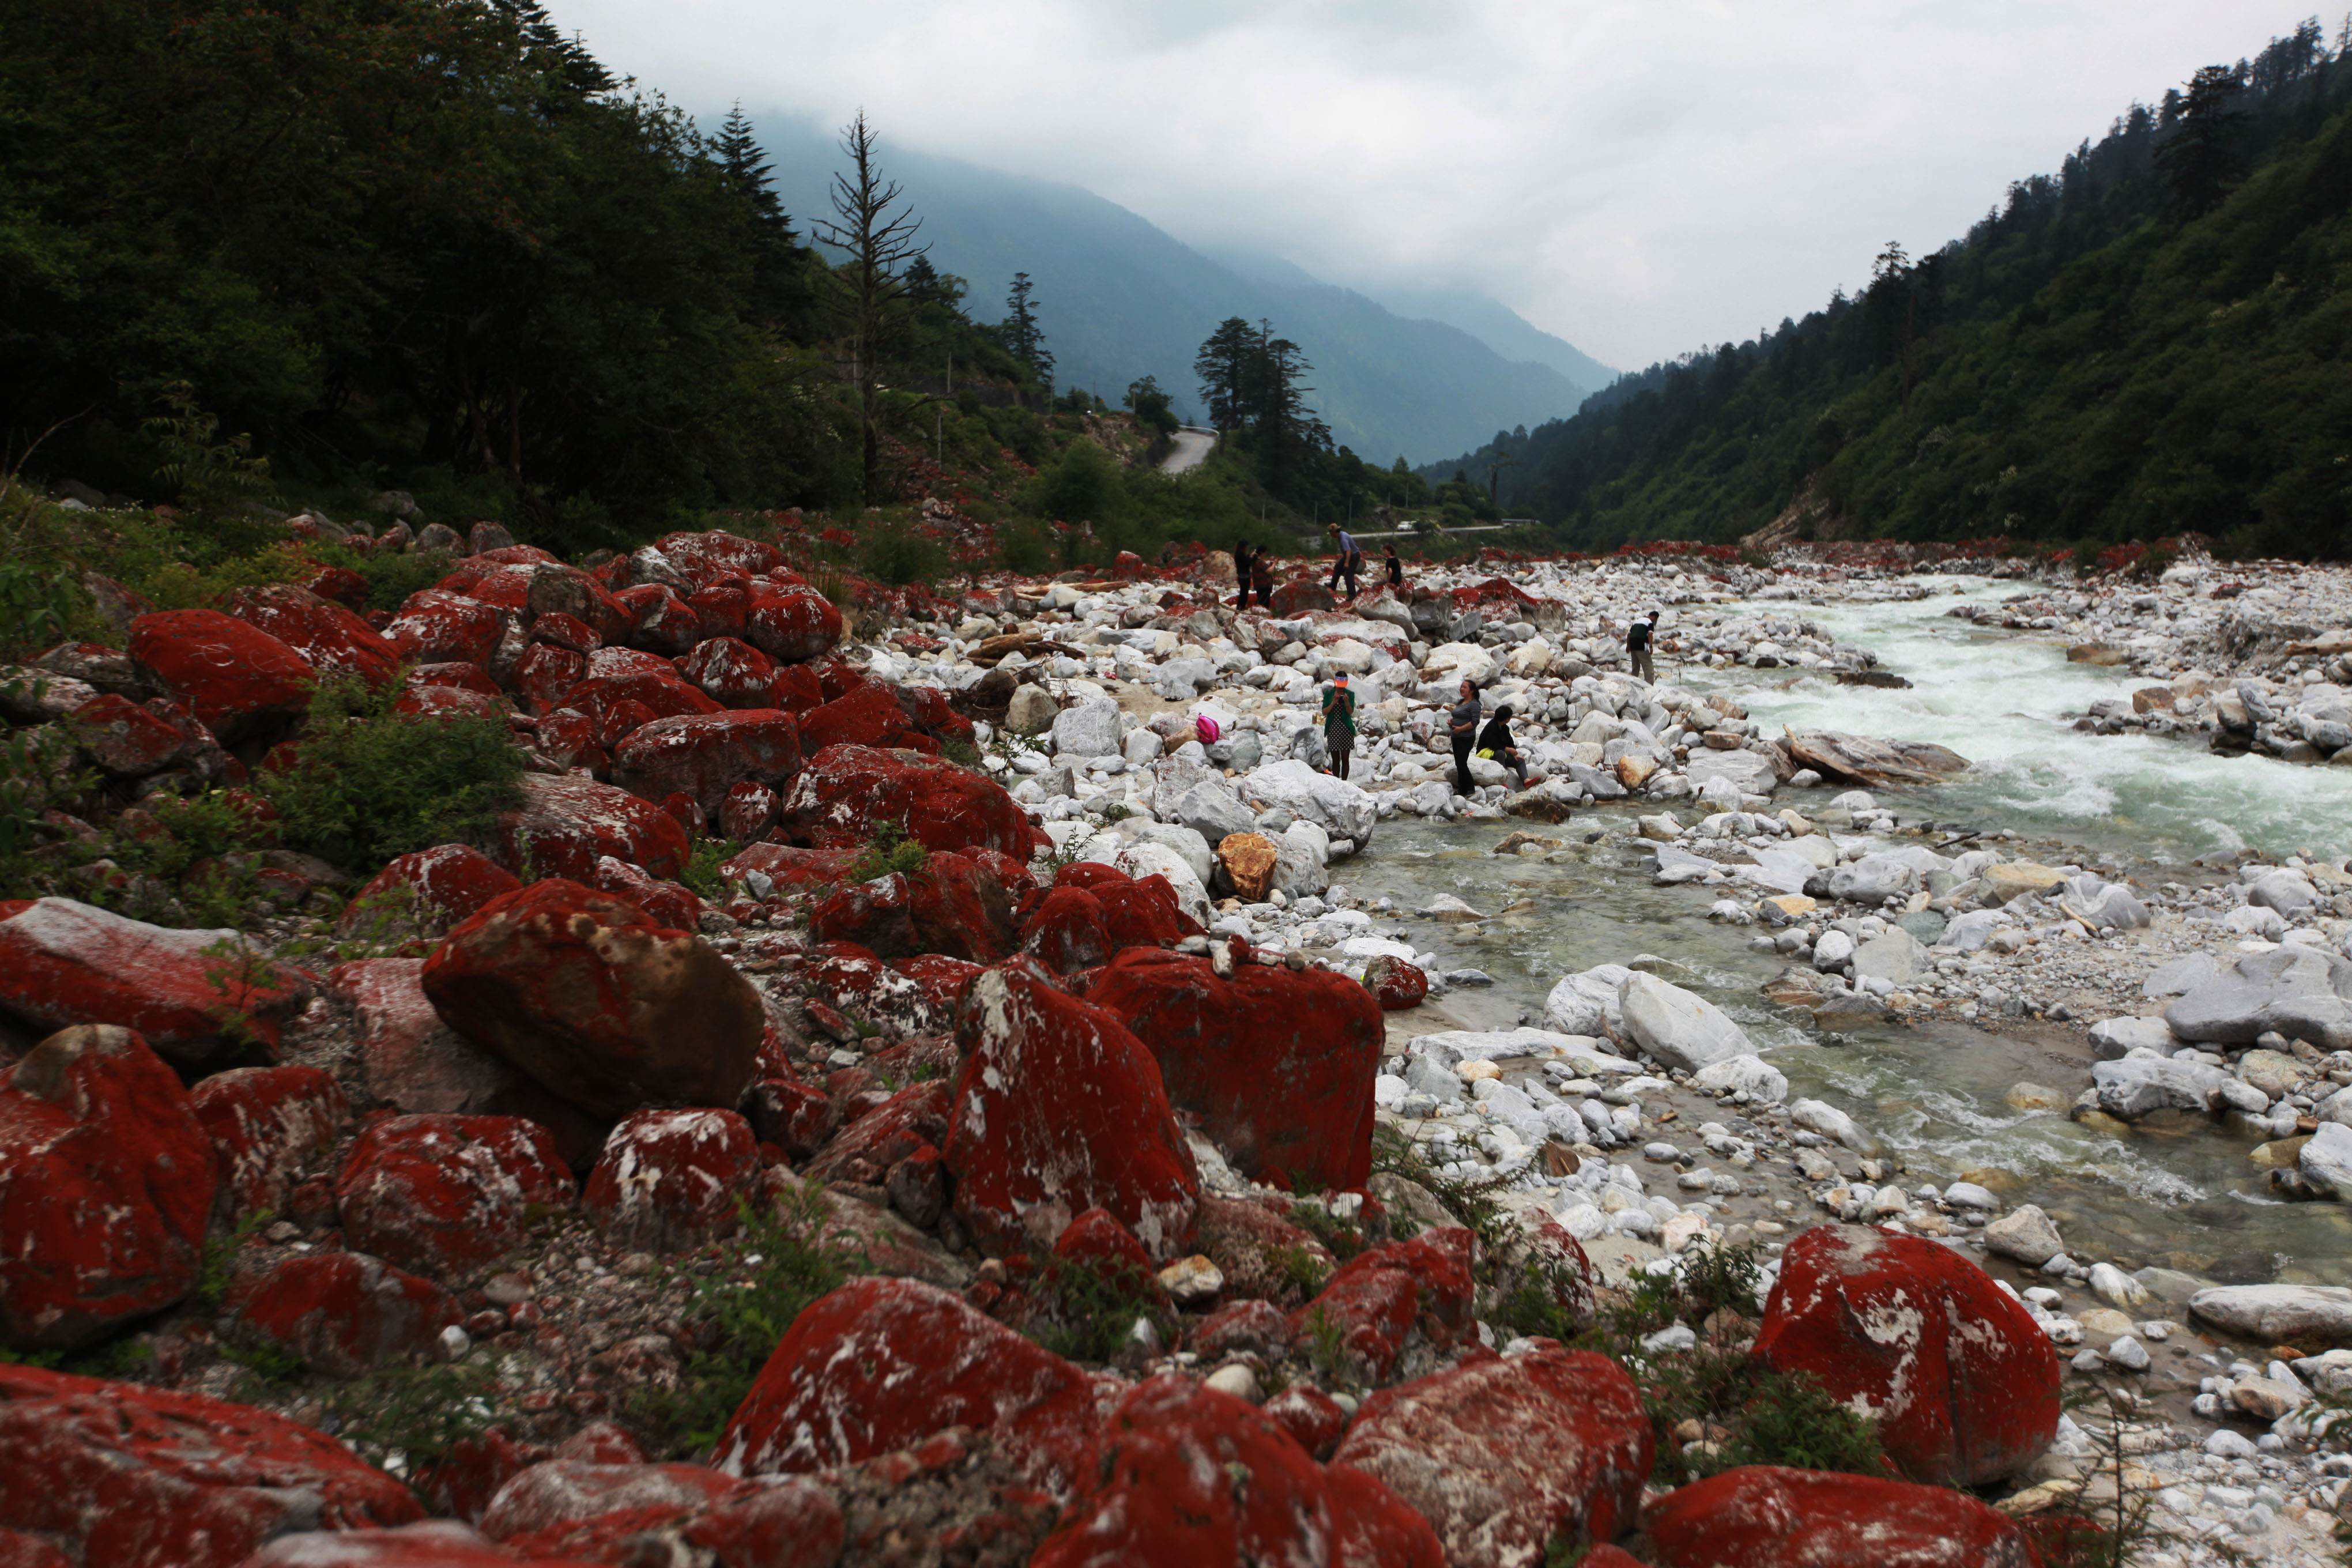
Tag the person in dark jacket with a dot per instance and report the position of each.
(1495, 743)
(1262, 574)
(1340, 723)
(1637, 644)
(1394, 563)
(1347, 558)
(1242, 571)
(1461, 724)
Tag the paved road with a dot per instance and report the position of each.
(1192, 450)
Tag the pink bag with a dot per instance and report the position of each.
(1206, 728)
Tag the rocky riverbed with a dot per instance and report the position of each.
(1147, 1002)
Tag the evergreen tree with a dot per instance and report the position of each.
(2200, 162)
(1025, 339)
(781, 283)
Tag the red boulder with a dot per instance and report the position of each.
(409, 1058)
(140, 1478)
(1059, 1109)
(106, 1184)
(443, 1194)
(788, 870)
(1765, 1516)
(1503, 1457)
(747, 812)
(1961, 1383)
(669, 1180)
(343, 1313)
(1278, 1064)
(1099, 1244)
(732, 673)
(1312, 1417)
(1065, 931)
(568, 823)
(1376, 1297)
(868, 716)
(703, 756)
(952, 907)
(240, 682)
(328, 636)
(881, 1363)
(583, 992)
(435, 627)
(842, 793)
(546, 676)
(1396, 983)
(1165, 1488)
(715, 555)
(544, 1504)
(433, 889)
(63, 962)
(792, 624)
(265, 1124)
(124, 740)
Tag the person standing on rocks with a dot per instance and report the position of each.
(1340, 723)
(1463, 724)
(1262, 574)
(1394, 563)
(1495, 743)
(1242, 574)
(1348, 562)
(1637, 644)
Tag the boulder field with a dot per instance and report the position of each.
(1070, 1180)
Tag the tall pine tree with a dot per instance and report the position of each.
(1025, 339)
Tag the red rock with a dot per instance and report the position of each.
(703, 756)
(435, 1543)
(790, 1115)
(721, 610)
(1961, 1383)
(1375, 1298)
(500, 584)
(601, 1442)
(666, 903)
(1249, 1240)
(791, 625)
(881, 1363)
(560, 592)
(731, 672)
(587, 994)
(344, 1314)
(1764, 1516)
(1607, 1556)
(1251, 1325)
(568, 633)
(140, 1477)
(620, 720)
(546, 676)
(1313, 1418)
(666, 625)
(1059, 1109)
(952, 907)
(748, 811)
(570, 823)
(567, 738)
(1164, 1488)
(669, 1180)
(1396, 983)
(1144, 913)
(795, 870)
(659, 693)
(1300, 595)
(470, 1471)
(463, 676)
(538, 1509)
(435, 628)
(842, 793)
(409, 1058)
(240, 682)
(425, 701)
(444, 1194)
(106, 1184)
(63, 962)
(123, 740)
(869, 716)
(342, 585)
(798, 687)
(328, 636)
(434, 887)
(1097, 1242)
(716, 556)
(265, 1124)
(1278, 1065)
(912, 1119)
(1503, 1457)
(1065, 931)
(18, 1551)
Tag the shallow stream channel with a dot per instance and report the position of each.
(2183, 1195)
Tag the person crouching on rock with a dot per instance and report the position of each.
(1340, 723)
(1394, 563)
(1462, 725)
(1495, 743)
(1637, 644)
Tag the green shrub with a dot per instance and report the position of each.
(890, 849)
(899, 555)
(366, 785)
(702, 876)
(1086, 1311)
(402, 1419)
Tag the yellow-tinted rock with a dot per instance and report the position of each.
(1248, 860)
(2007, 881)
(1790, 905)
(2280, 1154)
(1633, 771)
(2035, 1097)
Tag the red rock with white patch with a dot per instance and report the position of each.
(915, 1118)
(1377, 1296)
(953, 907)
(546, 676)
(123, 740)
(266, 1124)
(444, 1195)
(703, 756)
(669, 1180)
(1166, 1488)
(731, 672)
(436, 888)
(1396, 983)
(749, 810)
(1961, 1383)
(1065, 931)
(1310, 1416)
(241, 682)
(1765, 1516)
(868, 716)
(666, 903)
(714, 555)
(64, 962)
(1278, 1065)
(435, 627)
(409, 1058)
(434, 1543)
(1058, 1109)
(591, 997)
(568, 823)
(344, 1314)
(791, 625)
(132, 1476)
(566, 1506)
(843, 791)
(106, 1184)
(881, 1363)
(332, 639)
(1505, 1456)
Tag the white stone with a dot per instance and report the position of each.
(1679, 1028)
(1833, 1124)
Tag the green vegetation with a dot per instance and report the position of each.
(403, 1419)
(2148, 344)
(365, 785)
(701, 875)
(891, 851)
(217, 1263)
(1087, 1311)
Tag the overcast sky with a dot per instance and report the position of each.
(1639, 176)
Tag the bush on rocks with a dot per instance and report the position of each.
(364, 784)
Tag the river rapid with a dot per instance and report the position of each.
(2181, 1194)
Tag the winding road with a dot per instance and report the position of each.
(1192, 447)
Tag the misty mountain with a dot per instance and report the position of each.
(1119, 298)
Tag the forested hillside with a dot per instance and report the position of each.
(2150, 341)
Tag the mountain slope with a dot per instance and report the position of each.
(1501, 329)
(1119, 298)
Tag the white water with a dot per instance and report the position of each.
(2005, 701)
